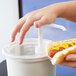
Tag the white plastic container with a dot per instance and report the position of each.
(22, 60)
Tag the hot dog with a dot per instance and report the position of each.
(57, 51)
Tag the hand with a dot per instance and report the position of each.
(37, 18)
(44, 16)
(70, 61)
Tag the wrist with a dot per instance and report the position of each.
(58, 9)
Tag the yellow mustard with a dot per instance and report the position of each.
(51, 49)
(56, 48)
(74, 43)
(58, 45)
(64, 45)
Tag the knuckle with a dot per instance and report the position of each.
(30, 16)
(18, 23)
(73, 66)
(47, 19)
(22, 32)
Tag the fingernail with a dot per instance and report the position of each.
(20, 42)
(12, 39)
(36, 25)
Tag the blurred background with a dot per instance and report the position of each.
(12, 10)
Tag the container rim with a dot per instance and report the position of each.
(23, 59)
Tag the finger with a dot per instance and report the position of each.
(25, 28)
(17, 28)
(29, 22)
(69, 64)
(44, 20)
(71, 57)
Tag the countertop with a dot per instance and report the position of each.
(3, 69)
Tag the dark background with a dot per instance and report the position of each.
(48, 33)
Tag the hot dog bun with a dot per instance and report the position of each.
(59, 57)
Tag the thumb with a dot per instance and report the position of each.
(71, 57)
(43, 21)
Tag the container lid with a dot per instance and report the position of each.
(26, 51)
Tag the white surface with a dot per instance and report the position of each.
(58, 26)
(8, 17)
(40, 37)
(28, 63)
(43, 68)
(26, 50)
(40, 41)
